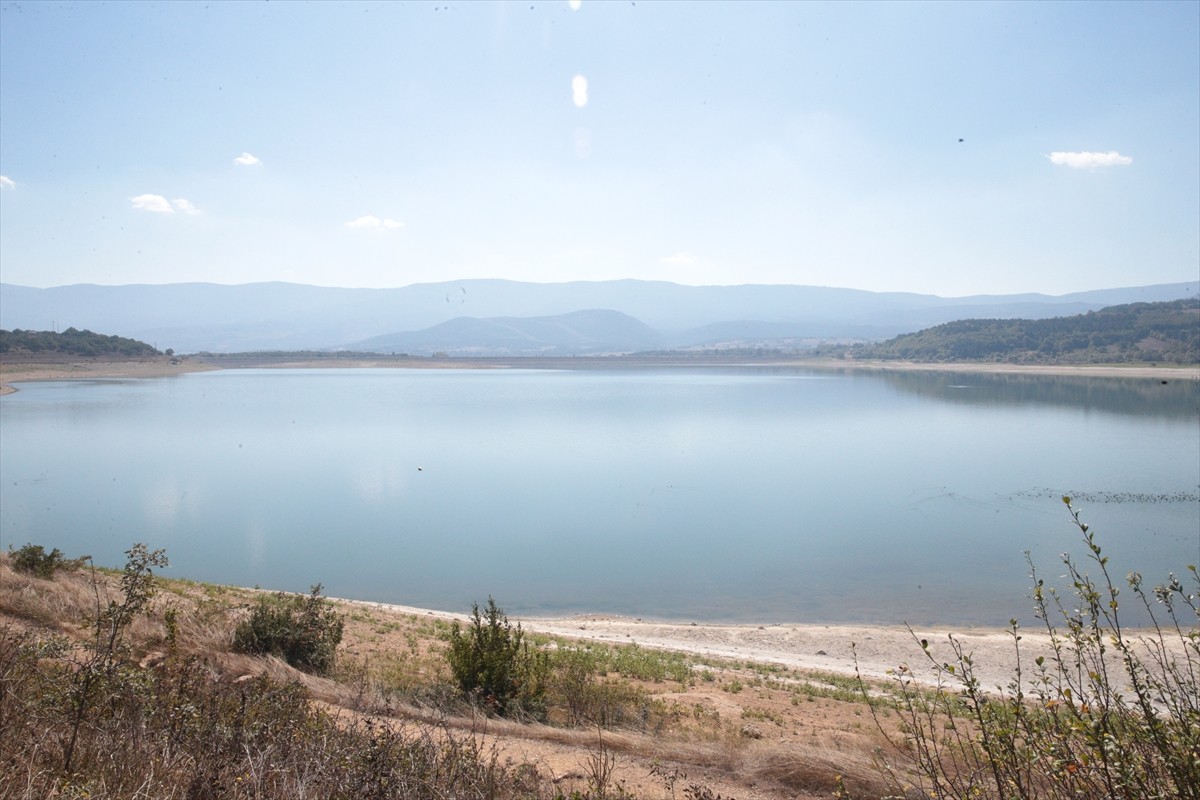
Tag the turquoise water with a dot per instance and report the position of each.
(699, 494)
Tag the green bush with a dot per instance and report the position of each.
(302, 630)
(494, 665)
(33, 559)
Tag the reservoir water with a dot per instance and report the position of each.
(739, 494)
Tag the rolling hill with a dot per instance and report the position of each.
(191, 317)
(1160, 332)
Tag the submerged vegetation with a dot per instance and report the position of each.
(120, 684)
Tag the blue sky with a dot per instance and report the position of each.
(945, 148)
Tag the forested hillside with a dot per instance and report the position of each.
(72, 342)
(1139, 332)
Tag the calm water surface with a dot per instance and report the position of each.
(707, 494)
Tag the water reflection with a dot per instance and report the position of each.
(1178, 398)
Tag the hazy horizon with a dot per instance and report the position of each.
(948, 149)
(1079, 290)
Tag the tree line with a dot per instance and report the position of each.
(1166, 332)
(72, 342)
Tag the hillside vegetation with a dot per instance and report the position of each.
(72, 342)
(1167, 332)
(121, 684)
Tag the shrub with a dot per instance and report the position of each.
(494, 665)
(33, 559)
(1106, 714)
(576, 684)
(95, 681)
(302, 630)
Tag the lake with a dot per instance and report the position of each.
(707, 494)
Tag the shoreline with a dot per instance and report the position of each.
(874, 651)
(1158, 371)
(83, 369)
(79, 369)
(880, 653)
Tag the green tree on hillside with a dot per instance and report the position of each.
(73, 342)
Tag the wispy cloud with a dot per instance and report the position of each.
(372, 222)
(1086, 160)
(157, 204)
(7, 182)
(247, 160)
(679, 259)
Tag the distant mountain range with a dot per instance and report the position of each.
(495, 317)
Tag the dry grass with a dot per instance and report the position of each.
(766, 740)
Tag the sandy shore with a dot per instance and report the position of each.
(87, 369)
(805, 646)
(826, 648)
(874, 651)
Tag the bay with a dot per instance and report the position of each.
(714, 494)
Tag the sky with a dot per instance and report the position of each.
(944, 148)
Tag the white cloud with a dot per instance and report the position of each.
(158, 204)
(152, 202)
(579, 91)
(1087, 160)
(7, 182)
(575, 4)
(679, 259)
(247, 160)
(372, 222)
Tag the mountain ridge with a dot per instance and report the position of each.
(192, 317)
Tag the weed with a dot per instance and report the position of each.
(1107, 715)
